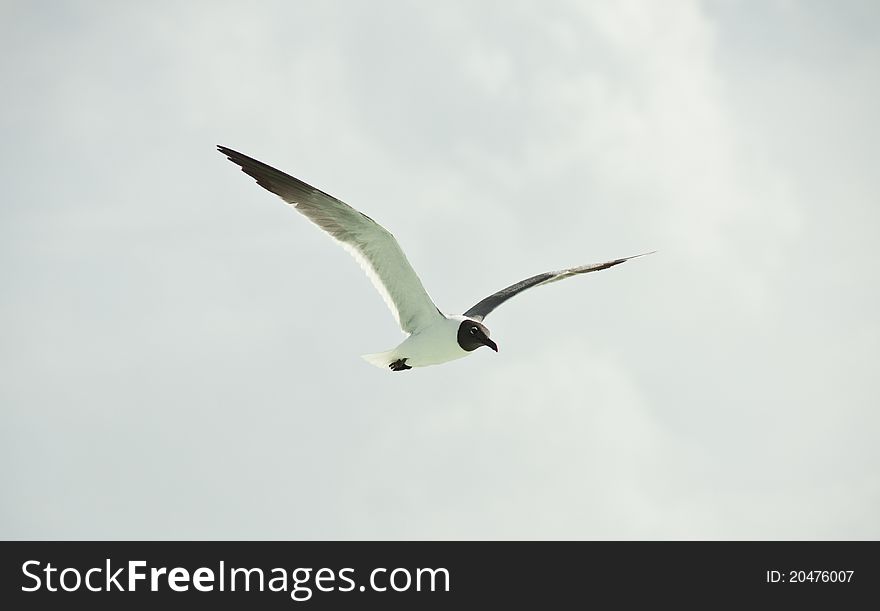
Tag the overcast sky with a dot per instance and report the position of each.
(180, 350)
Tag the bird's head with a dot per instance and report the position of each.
(472, 335)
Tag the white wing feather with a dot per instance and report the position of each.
(374, 248)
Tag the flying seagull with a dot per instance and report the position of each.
(433, 337)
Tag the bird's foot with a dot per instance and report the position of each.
(399, 365)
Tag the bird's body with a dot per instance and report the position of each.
(433, 337)
(433, 345)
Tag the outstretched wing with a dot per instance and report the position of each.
(482, 309)
(371, 244)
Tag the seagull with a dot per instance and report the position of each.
(432, 336)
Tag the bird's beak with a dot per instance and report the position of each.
(490, 343)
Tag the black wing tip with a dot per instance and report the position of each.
(600, 266)
(280, 183)
(254, 168)
(233, 155)
(644, 254)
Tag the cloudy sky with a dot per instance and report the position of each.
(179, 349)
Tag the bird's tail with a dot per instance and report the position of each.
(380, 359)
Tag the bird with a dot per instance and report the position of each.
(432, 336)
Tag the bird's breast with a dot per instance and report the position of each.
(433, 345)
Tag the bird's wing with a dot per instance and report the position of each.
(371, 244)
(482, 309)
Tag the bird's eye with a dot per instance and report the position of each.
(473, 330)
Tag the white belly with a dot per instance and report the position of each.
(432, 346)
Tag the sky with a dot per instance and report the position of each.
(180, 350)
